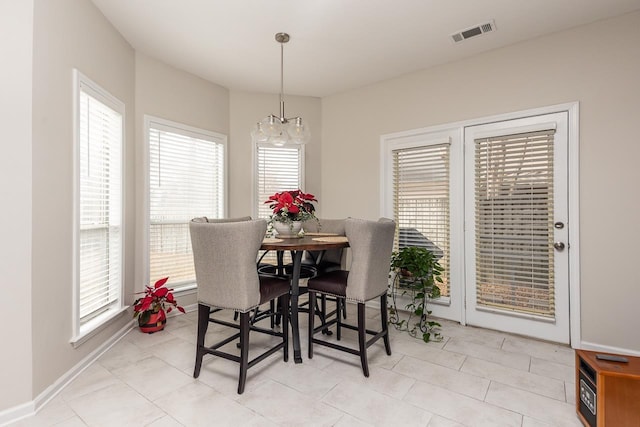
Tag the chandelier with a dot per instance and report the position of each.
(279, 130)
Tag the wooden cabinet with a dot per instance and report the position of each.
(607, 393)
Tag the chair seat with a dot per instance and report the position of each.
(272, 287)
(333, 283)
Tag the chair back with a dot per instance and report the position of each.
(224, 255)
(371, 244)
(336, 226)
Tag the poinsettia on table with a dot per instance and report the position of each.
(290, 208)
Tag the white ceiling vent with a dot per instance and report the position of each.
(474, 31)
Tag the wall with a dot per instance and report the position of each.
(68, 34)
(597, 65)
(246, 109)
(168, 93)
(16, 21)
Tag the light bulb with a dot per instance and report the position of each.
(279, 140)
(271, 126)
(258, 134)
(298, 132)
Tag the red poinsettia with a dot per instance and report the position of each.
(155, 299)
(292, 205)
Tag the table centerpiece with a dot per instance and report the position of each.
(290, 208)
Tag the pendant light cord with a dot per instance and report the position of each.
(282, 82)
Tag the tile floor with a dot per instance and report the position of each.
(473, 377)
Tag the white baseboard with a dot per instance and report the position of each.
(31, 408)
(16, 413)
(585, 345)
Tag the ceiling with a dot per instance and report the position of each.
(335, 45)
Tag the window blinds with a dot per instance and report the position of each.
(100, 216)
(514, 222)
(421, 201)
(279, 169)
(186, 180)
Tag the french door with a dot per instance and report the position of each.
(516, 226)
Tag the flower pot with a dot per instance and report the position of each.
(287, 229)
(154, 321)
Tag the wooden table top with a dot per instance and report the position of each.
(308, 242)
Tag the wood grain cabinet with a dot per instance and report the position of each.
(607, 392)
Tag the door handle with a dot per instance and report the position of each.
(559, 246)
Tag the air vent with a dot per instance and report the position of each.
(474, 31)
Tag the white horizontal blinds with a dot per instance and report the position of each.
(279, 169)
(100, 216)
(421, 201)
(186, 180)
(514, 222)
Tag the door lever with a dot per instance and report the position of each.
(559, 246)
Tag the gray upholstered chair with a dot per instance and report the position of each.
(322, 262)
(371, 243)
(325, 261)
(224, 255)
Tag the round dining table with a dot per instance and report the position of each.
(317, 242)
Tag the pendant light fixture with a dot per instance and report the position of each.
(279, 130)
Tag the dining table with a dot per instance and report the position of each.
(316, 242)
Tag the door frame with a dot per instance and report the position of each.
(573, 185)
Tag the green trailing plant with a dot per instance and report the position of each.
(415, 272)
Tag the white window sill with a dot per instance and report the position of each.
(96, 325)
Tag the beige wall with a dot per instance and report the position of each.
(171, 94)
(16, 21)
(248, 108)
(68, 34)
(597, 65)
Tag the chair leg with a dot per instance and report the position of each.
(362, 339)
(203, 324)
(312, 315)
(323, 314)
(385, 322)
(244, 350)
(272, 308)
(339, 303)
(283, 302)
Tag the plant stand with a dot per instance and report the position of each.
(417, 323)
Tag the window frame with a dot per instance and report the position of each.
(448, 307)
(82, 332)
(190, 131)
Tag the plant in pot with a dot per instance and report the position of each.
(150, 309)
(415, 272)
(290, 208)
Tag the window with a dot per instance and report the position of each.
(421, 201)
(278, 169)
(187, 179)
(514, 217)
(98, 243)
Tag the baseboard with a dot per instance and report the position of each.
(30, 408)
(16, 413)
(585, 345)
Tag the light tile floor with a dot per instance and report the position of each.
(473, 377)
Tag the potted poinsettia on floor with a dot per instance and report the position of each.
(150, 309)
